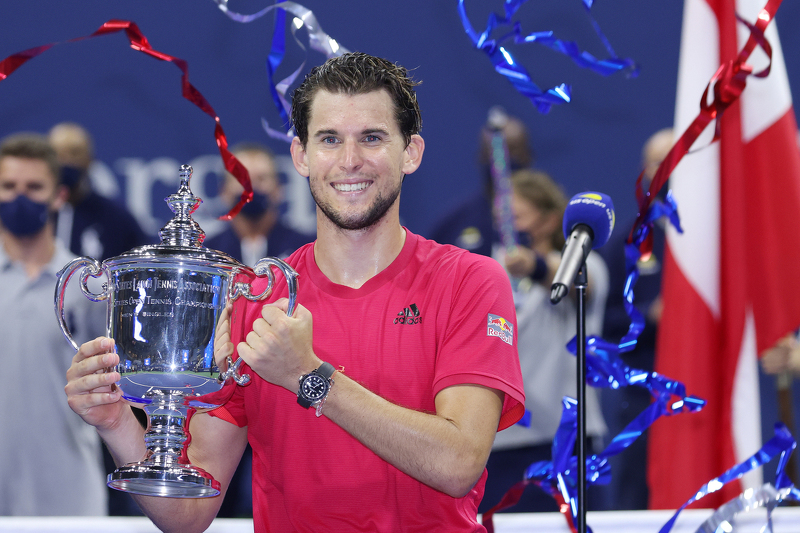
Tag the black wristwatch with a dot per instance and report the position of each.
(315, 385)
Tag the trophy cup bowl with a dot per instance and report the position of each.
(164, 308)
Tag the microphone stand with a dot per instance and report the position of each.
(581, 282)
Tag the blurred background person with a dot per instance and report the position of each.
(96, 226)
(471, 224)
(50, 461)
(782, 360)
(549, 371)
(783, 357)
(628, 488)
(257, 231)
(90, 224)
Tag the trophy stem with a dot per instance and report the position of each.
(165, 436)
(165, 470)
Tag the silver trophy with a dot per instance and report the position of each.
(164, 304)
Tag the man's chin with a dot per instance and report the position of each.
(357, 221)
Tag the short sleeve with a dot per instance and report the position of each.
(479, 345)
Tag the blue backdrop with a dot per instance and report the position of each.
(144, 128)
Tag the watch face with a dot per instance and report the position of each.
(314, 387)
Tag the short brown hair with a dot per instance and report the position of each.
(251, 147)
(31, 146)
(358, 73)
(546, 195)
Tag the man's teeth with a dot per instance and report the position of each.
(349, 187)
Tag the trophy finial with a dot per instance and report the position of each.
(186, 175)
(183, 230)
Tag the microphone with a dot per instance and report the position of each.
(588, 221)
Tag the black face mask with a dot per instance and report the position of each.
(23, 217)
(70, 176)
(255, 208)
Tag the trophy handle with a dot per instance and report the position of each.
(262, 268)
(93, 268)
(233, 372)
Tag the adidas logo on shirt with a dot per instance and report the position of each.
(409, 315)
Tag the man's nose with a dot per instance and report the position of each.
(352, 158)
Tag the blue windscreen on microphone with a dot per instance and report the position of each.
(593, 209)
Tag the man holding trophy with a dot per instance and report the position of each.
(380, 414)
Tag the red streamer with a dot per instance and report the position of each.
(139, 42)
(728, 83)
(512, 497)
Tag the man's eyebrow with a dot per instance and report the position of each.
(318, 133)
(370, 131)
(367, 131)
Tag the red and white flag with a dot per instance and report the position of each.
(730, 284)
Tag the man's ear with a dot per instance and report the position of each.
(413, 154)
(299, 157)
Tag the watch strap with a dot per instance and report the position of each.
(325, 370)
(304, 402)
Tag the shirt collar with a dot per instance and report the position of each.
(61, 256)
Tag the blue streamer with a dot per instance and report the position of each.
(505, 64)
(274, 60)
(317, 40)
(782, 443)
(605, 369)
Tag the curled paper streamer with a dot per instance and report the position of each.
(606, 369)
(139, 42)
(641, 239)
(553, 477)
(783, 444)
(726, 85)
(559, 476)
(765, 496)
(317, 40)
(505, 64)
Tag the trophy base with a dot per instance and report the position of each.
(176, 481)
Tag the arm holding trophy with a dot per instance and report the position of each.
(92, 393)
(168, 350)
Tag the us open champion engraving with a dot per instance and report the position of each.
(164, 304)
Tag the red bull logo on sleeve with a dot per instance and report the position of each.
(498, 326)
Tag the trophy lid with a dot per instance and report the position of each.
(183, 230)
(182, 237)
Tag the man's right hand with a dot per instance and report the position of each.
(91, 390)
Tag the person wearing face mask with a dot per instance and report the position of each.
(257, 231)
(549, 371)
(91, 224)
(49, 463)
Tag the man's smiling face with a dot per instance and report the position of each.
(355, 157)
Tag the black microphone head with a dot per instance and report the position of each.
(594, 210)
